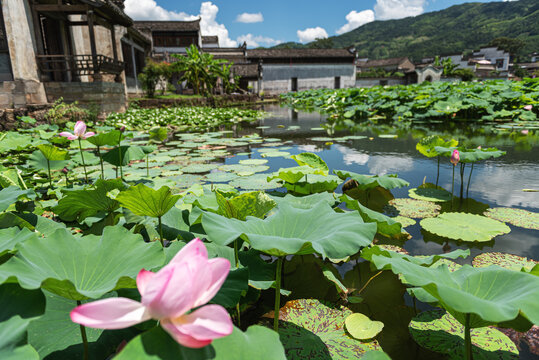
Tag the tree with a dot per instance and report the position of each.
(464, 74)
(149, 77)
(511, 45)
(449, 67)
(199, 69)
(321, 43)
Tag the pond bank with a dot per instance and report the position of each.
(217, 101)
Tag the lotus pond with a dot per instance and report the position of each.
(362, 234)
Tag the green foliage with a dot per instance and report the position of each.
(150, 76)
(61, 112)
(466, 227)
(145, 201)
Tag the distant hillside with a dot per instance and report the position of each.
(452, 30)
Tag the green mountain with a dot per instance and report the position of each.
(457, 29)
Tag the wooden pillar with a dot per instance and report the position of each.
(90, 16)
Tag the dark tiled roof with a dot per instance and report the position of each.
(210, 39)
(246, 70)
(299, 53)
(168, 25)
(111, 9)
(382, 62)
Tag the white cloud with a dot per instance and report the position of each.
(149, 10)
(356, 19)
(256, 41)
(250, 18)
(311, 34)
(352, 156)
(398, 9)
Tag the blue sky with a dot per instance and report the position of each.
(266, 23)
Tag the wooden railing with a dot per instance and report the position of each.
(77, 65)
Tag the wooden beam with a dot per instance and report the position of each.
(62, 8)
(91, 30)
(77, 23)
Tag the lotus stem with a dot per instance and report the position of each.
(467, 339)
(83, 163)
(84, 337)
(49, 170)
(236, 253)
(369, 281)
(277, 294)
(161, 232)
(120, 155)
(438, 171)
(147, 165)
(462, 167)
(101, 162)
(452, 186)
(67, 180)
(469, 180)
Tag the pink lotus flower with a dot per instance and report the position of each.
(524, 132)
(79, 132)
(528, 107)
(455, 157)
(479, 147)
(189, 281)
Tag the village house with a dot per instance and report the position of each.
(76, 50)
(395, 71)
(485, 62)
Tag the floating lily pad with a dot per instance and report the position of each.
(253, 161)
(361, 327)
(255, 182)
(199, 168)
(440, 332)
(517, 217)
(404, 221)
(276, 154)
(310, 329)
(466, 227)
(220, 176)
(321, 139)
(263, 127)
(430, 192)
(417, 209)
(388, 136)
(508, 261)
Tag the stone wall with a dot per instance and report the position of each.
(223, 100)
(277, 79)
(106, 96)
(370, 82)
(9, 117)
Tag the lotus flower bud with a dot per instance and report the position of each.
(528, 107)
(455, 157)
(479, 147)
(524, 132)
(122, 129)
(65, 170)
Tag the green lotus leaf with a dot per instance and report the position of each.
(273, 154)
(306, 202)
(253, 162)
(508, 261)
(12, 194)
(199, 168)
(412, 208)
(158, 134)
(486, 295)
(128, 154)
(386, 225)
(361, 327)
(255, 182)
(89, 158)
(516, 217)
(53, 153)
(440, 332)
(256, 343)
(293, 175)
(375, 355)
(256, 204)
(314, 184)
(369, 252)
(11, 177)
(366, 182)
(56, 337)
(10, 237)
(404, 221)
(243, 168)
(312, 160)
(220, 176)
(470, 155)
(109, 138)
(430, 192)
(18, 307)
(426, 146)
(15, 141)
(80, 204)
(81, 268)
(295, 231)
(145, 201)
(38, 161)
(310, 329)
(463, 226)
